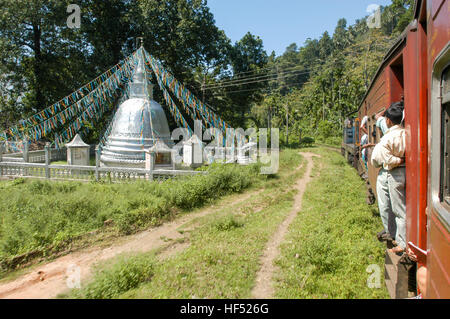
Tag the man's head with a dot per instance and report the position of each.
(394, 114)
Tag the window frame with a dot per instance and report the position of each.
(442, 209)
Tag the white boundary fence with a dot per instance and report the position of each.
(19, 168)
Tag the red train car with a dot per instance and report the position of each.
(417, 69)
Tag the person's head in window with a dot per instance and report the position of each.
(394, 114)
(364, 122)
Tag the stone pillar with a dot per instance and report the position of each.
(26, 156)
(152, 161)
(149, 164)
(97, 162)
(173, 158)
(78, 152)
(47, 159)
(1, 157)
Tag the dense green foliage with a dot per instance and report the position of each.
(319, 84)
(43, 60)
(47, 215)
(311, 87)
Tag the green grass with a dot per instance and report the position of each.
(325, 254)
(332, 241)
(125, 273)
(222, 258)
(91, 162)
(46, 216)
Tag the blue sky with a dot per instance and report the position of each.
(282, 22)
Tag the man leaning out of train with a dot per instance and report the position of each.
(389, 154)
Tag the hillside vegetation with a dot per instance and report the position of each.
(312, 86)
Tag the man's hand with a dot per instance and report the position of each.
(411, 255)
(381, 114)
(367, 146)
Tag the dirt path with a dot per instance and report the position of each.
(264, 285)
(50, 279)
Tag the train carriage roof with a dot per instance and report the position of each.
(401, 40)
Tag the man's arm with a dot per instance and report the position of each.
(379, 115)
(367, 146)
(377, 156)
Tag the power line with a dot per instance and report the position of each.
(254, 89)
(257, 81)
(285, 71)
(267, 76)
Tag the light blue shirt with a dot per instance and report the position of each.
(381, 124)
(364, 141)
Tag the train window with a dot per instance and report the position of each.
(357, 127)
(446, 86)
(440, 128)
(445, 138)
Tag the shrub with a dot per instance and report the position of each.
(122, 276)
(307, 141)
(228, 223)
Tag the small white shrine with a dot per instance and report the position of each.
(78, 152)
(159, 156)
(193, 152)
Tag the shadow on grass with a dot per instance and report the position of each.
(375, 212)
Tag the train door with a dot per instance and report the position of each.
(438, 212)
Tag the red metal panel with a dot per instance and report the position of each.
(436, 6)
(438, 261)
(412, 140)
(423, 88)
(438, 27)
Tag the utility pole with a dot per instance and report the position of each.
(139, 42)
(323, 107)
(270, 118)
(204, 88)
(287, 124)
(340, 109)
(332, 89)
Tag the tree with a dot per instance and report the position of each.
(340, 37)
(325, 46)
(248, 59)
(43, 49)
(110, 29)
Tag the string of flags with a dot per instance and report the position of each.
(210, 118)
(62, 110)
(94, 111)
(179, 119)
(89, 103)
